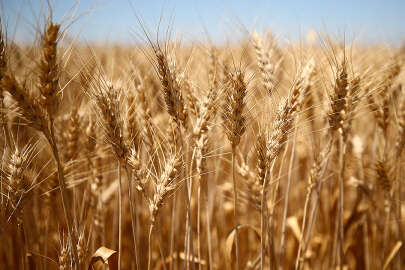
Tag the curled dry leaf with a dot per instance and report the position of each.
(231, 239)
(102, 257)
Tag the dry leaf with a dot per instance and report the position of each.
(104, 256)
(231, 239)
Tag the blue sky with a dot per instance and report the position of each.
(115, 20)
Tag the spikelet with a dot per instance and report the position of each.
(265, 66)
(73, 132)
(91, 137)
(144, 104)
(202, 150)
(146, 117)
(377, 112)
(389, 77)
(381, 110)
(132, 122)
(317, 167)
(262, 164)
(81, 248)
(212, 68)
(350, 106)
(165, 184)
(64, 260)
(139, 173)
(400, 142)
(234, 121)
(171, 88)
(18, 177)
(309, 73)
(295, 99)
(384, 181)
(279, 134)
(297, 92)
(192, 105)
(172, 134)
(385, 93)
(30, 109)
(206, 112)
(49, 70)
(338, 99)
(107, 99)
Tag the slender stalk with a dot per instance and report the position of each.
(162, 257)
(64, 198)
(189, 231)
(119, 216)
(275, 191)
(198, 222)
(23, 236)
(287, 193)
(188, 173)
(269, 216)
(172, 225)
(46, 244)
(133, 217)
(314, 184)
(186, 244)
(397, 211)
(314, 209)
(336, 237)
(207, 210)
(150, 245)
(235, 204)
(385, 234)
(311, 222)
(307, 200)
(341, 203)
(262, 226)
(263, 218)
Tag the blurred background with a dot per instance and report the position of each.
(115, 21)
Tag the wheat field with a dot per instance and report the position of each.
(169, 155)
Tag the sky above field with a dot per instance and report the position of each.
(372, 21)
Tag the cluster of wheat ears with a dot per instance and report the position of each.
(253, 155)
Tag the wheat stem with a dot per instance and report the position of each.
(172, 228)
(306, 204)
(198, 222)
(62, 187)
(262, 225)
(287, 195)
(341, 202)
(133, 216)
(119, 215)
(150, 245)
(235, 204)
(207, 210)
